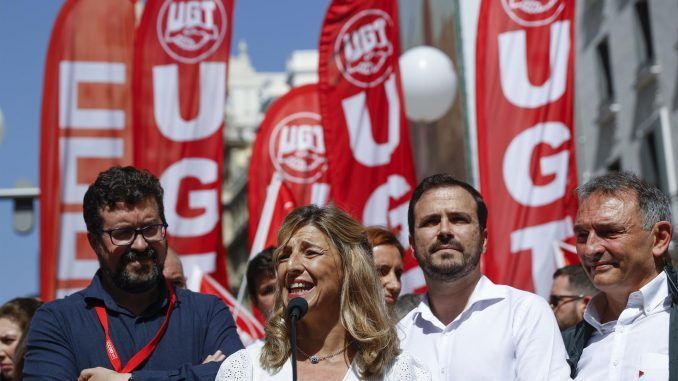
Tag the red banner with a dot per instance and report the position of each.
(366, 136)
(289, 164)
(526, 145)
(249, 327)
(180, 67)
(86, 119)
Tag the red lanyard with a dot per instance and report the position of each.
(146, 351)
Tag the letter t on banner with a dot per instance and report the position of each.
(361, 103)
(181, 58)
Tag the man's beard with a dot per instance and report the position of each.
(450, 269)
(147, 278)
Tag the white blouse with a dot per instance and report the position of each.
(244, 366)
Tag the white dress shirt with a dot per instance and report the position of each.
(634, 345)
(502, 334)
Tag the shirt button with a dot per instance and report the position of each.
(615, 362)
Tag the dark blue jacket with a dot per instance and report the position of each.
(66, 336)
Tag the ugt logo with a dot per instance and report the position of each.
(191, 30)
(363, 49)
(297, 148)
(531, 13)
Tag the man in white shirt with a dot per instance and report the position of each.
(623, 231)
(466, 327)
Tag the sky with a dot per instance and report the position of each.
(271, 28)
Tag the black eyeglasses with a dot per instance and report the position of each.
(555, 300)
(125, 236)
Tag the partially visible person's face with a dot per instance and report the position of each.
(569, 309)
(309, 266)
(617, 253)
(389, 266)
(135, 267)
(447, 238)
(173, 271)
(265, 285)
(10, 333)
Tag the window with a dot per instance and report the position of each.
(644, 45)
(605, 85)
(615, 166)
(652, 157)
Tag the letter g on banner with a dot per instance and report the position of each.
(516, 164)
(206, 171)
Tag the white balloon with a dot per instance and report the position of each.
(429, 83)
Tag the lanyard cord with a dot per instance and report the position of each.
(146, 351)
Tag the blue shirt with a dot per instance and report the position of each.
(65, 336)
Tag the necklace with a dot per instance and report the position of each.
(314, 359)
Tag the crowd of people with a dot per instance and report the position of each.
(609, 317)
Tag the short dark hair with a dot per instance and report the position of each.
(579, 281)
(262, 263)
(120, 184)
(444, 180)
(653, 204)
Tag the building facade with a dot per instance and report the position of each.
(626, 106)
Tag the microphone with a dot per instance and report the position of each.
(296, 309)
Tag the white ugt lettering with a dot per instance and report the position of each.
(516, 165)
(71, 75)
(513, 68)
(365, 150)
(166, 102)
(206, 171)
(539, 240)
(376, 207)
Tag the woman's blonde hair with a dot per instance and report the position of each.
(363, 310)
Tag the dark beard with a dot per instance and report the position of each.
(450, 271)
(136, 283)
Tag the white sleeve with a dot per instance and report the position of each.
(236, 367)
(540, 352)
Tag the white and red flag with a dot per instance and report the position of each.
(249, 327)
(180, 65)
(289, 164)
(524, 75)
(86, 128)
(366, 136)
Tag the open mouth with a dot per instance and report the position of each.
(297, 288)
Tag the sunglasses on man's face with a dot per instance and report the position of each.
(556, 300)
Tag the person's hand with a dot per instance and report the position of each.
(102, 374)
(216, 357)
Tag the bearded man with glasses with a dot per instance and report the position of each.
(129, 323)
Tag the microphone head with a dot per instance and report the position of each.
(297, 308)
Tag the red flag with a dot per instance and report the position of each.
(180, 66)
(289, 164)
(526, 145)
(86, 118)
(249, 328)
(362, 110)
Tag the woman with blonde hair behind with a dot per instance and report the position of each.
(324, 257)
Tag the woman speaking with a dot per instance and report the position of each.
(324, 257)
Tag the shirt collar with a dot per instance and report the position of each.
(96, 292)
(484, 290)
(648, 299)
